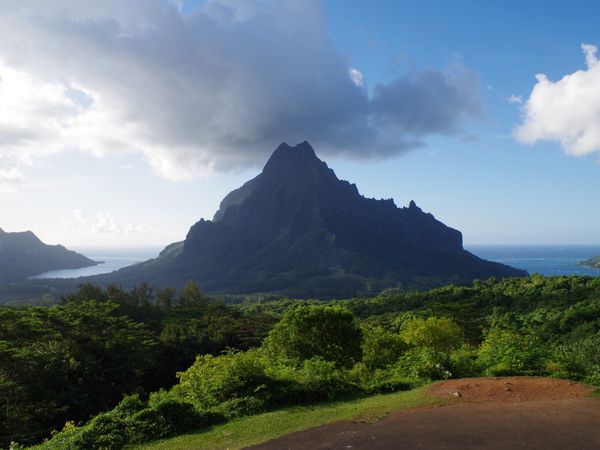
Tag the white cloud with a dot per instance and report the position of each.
(106, 223)
(204, 92)
(515, 99)
(84, 223)
(566, 111)
(356, 76)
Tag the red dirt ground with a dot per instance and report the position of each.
(482, 413)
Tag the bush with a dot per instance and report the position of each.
(510, 352)
(167, 418)
(319, 380)
(132, 422)
(381, 348)
(328, 332)
(211, 380)
(439, 333)
(424, 364)
(242, 406)
(379, 381)
(579, 360)
(465, 362)
(105, 431)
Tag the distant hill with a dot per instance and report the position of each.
(23, 255)
(297, 230)
(592, 262)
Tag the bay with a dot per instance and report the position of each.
(549, 260)
(110, 259)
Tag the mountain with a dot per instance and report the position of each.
(297, 230)
(23, 255)
(592, 262)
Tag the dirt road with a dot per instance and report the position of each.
(483, 413)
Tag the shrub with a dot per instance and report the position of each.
(423, 364)
(242, 406)
(510, 352)
(379, 381)
(465, 362)
(166, 419)
(105, 431)
(214, 380)
(439, 333)
(579, 360)
(132, 422)
(319, 379)
(381, 348)
(328, 332)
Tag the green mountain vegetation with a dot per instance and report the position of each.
(111, 368)
(299, 231)
(592, 262)
(23, 255)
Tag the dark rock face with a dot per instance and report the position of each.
(23, 255)
(296, 229)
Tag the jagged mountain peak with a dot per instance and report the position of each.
(300, 160)
(298, 168)
(297, 229)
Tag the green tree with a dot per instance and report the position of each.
(329, 332)
(511, 352)
(64, 363)
(191, 296)
(439, 333)
(381, 348)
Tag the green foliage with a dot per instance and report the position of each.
(465, 362)
(64, 363)
(132, 421)
(239, 383)
(68, 362)
(511, 352)
(192, 296)
(380, 380)
(578, 360)
(438, 333)
(211, 381)
(315, 380)
(424, 364)
(381, 348)
(306, 332)
(133, 341)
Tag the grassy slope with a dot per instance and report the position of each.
(252, 430)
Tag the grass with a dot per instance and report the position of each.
(245, 431)
(595, 393)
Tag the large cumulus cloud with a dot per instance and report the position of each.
(567, 110)
(206, 91)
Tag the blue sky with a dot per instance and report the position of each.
(493, 189)
(477, 178)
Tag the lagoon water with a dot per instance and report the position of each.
(543, 259)
(112, 259)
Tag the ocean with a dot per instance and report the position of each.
(110, 259)
(542, 259)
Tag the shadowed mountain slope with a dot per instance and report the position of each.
(296, 229)
(23, 255)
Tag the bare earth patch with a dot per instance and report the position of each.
(482, 413)
(508, 389)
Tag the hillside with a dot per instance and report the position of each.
(297, 230)
(592, 262)
(23, 254)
